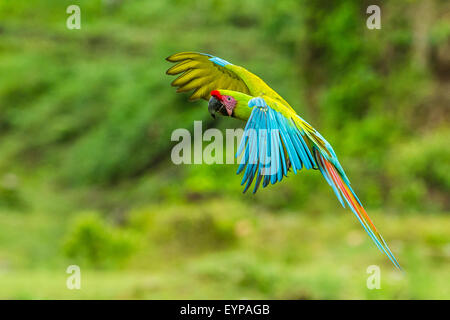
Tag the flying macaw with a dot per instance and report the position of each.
(287, 141)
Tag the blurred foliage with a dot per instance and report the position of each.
(86, 118)
(235, 250)
(420, 169)
(95, 103)
(10, 193)
(94, 243)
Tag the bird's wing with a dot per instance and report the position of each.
(275, 137)
(203, 73)
(272, 143)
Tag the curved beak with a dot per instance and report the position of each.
(214, 106)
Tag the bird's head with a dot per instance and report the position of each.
(229, 103)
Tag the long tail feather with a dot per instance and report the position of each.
(345, 194)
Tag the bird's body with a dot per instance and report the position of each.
(276, 139)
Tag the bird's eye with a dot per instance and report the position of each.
(228, 98)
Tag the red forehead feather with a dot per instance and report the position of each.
(216, 93)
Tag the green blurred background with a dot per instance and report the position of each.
(86, 177)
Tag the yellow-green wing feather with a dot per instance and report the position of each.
(201, 74)
(258, 88)
(204, 73)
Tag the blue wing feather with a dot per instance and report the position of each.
(271, 142)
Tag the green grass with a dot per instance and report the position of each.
(229, 250)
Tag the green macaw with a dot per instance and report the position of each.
(275, 139)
